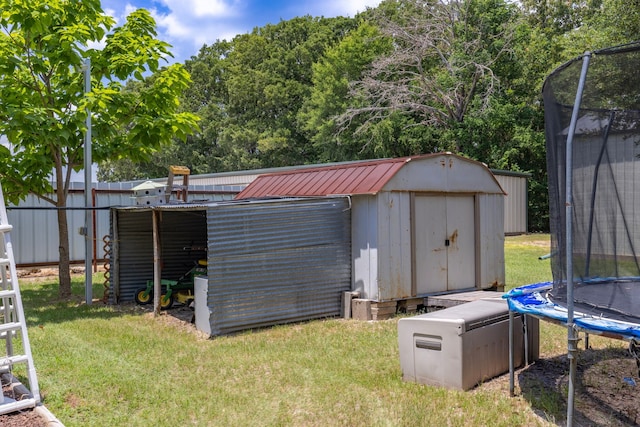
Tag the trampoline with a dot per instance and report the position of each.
(592, 129)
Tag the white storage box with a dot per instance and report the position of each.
(460, 346)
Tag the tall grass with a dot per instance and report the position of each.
(102, 365)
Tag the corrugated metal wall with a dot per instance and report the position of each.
(516, 201)
(276, 262)
(132, 253)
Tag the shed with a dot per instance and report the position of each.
(421, 225)
(269, 261)
(516, 200)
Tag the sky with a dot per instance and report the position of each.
(189, 24)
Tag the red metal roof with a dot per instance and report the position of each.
(367, 177)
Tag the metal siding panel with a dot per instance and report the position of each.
(365, 246)
(394, 277)
(35, 233)
(490, 246)
(133, 253)
(515, 203)
(277, 262)
(75, 220)
(384, 250)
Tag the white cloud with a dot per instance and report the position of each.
(189, 24)
(201, 8)
(330, 8)
(172, 25)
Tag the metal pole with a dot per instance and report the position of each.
(572, 336)
(157, 289)
(88, 223)
(511, 367)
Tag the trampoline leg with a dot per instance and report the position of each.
(586, 341)
(573, 364)
(511, 375)
(525, 333)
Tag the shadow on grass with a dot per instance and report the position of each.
(603, 393)
(43, 305)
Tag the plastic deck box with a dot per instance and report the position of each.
(460, 346)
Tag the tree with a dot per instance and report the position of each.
(270, 72)
(43, 107)
(202, 152)
(329, 97)
(441, 66)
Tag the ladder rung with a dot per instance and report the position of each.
(3, 335)
(4, 261)
(5, 227)
(11, 360)
(10, 326)
(16, 405)
(7, 293)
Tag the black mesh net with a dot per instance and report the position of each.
(605, 181)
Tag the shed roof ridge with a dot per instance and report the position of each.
(349, 165)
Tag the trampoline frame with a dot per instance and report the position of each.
(532, 300)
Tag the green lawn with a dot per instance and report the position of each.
(102, 365)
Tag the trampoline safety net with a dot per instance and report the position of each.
(605, 182)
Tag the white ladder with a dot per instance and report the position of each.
(13, 328)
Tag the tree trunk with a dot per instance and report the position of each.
(64, 275)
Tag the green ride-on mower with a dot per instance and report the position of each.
(180, 290)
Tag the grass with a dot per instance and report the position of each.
(118, 366)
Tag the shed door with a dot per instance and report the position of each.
(444, 237)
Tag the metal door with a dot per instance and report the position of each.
(444, 243)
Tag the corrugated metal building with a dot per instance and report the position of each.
(268, 261)
(420, 225)
(516, 201)
(35, 223)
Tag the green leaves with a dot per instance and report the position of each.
(132, 49)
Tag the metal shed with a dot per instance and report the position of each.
(421, 225)
(269, 261)
(516, 200)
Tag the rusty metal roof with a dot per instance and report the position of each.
(368, 177)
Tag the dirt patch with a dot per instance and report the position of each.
(13, 391)
(27, 273)
(607, 387)
(28, 418)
